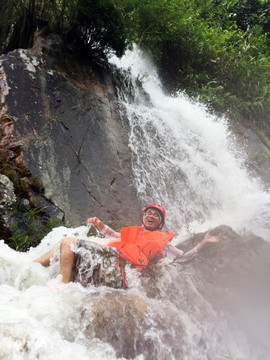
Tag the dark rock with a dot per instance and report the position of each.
(221, 294)
(233, 276)
(128, 322)
(7, 194)
(59, 121)
(7, 201)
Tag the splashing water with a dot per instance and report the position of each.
(185, 159)
(36, 321)
(188, 160)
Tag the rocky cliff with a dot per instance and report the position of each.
(60, 124)
(64, 151)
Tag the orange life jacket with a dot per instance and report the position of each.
(139, 246)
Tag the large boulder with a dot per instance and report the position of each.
(128, 322)
(216, 303)
(233, 276)
(7, 194)
(7, 200)
(60, 122)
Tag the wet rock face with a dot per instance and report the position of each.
(59, 120)
(233, 276)
(7, 200)
(190, 310)
(130, 323)
(115, 320)
(7, 195)
(258, 152)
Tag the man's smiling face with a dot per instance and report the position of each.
(151, 219)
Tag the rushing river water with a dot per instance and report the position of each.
(186, 159)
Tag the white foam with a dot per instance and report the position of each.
(187, 160)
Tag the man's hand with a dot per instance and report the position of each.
(96, 222)
(208, 239)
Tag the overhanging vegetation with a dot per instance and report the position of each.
(215, 50)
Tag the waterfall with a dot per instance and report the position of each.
(188, 160)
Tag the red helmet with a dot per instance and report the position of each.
(160, 209)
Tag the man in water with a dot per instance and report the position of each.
(137, 245)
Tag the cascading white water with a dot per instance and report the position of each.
(185, 159)
(37, 322)
(188, 160)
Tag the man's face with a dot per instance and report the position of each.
(151, 219)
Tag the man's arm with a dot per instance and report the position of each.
(172, 252)
(105, 229)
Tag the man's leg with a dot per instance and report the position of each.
(44, 259)
(67, 258)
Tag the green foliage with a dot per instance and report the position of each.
(215, 50)
(29, 228)
(22, 240)
(19, 241)
(93, 27)
(98, 28)
(52, 223)
(16, 18)
(31, 214)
